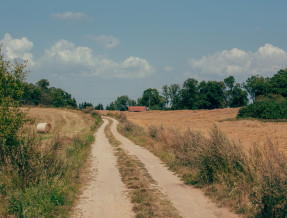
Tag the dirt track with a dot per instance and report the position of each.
(189, 201)
(105, 194)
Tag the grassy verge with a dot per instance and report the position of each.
(45, 181)
(253, 183)
(148, 201)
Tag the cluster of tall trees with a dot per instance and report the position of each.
(208, 94)
(41, 94)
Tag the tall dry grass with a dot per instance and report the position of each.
(43, 181)
(253, 183)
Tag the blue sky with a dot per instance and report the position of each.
(98, 50)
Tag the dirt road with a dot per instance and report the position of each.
(105, 195)
(189, 201)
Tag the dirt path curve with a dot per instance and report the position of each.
(105, 194)
(189, 201)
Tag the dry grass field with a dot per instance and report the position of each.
(64, 122)
(247, 132)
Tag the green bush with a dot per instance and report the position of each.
(271, 109)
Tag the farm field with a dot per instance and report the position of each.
(64, 122)
(247, 132)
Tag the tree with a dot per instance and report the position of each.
(152, 98)
(189, 94)
(121, 103)
(132, 102)
(174, 93)
(99, 107)
(12, 119)
(234, 95)
(256, 86)
(229, 82)
(111, 107)
(44, 84)
(166, 95)
(279, 83)
(84, 105)
(239, 97)
(211, 95)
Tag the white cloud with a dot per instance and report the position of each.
(66, 58)
(17, 48)
(72, 16)
(266, 61)
(107, 41)
(168, 68)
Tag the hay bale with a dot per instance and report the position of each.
(44, 128)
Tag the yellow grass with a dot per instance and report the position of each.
(247, 132)
(64, 122)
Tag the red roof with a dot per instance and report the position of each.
(136, 108)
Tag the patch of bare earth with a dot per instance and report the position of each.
(105, 195)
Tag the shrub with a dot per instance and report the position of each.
(264, 110)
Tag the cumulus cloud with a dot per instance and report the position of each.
(65, 59)
(266, 61)
(79, 61)
(17, 48)
(107, 41)
(72, 16)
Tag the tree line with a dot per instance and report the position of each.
(193, 94)
(41, 94)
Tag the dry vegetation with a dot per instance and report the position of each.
(247, 132)
(250, 181)
(64, 121)
(148, 201)
(50, 175)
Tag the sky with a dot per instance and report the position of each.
(99, 50)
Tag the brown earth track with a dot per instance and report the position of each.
(190, 202)
(105, 193)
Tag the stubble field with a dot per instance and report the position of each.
(64, 122)
(246, 132)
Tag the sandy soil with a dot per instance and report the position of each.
(105, 194)
(189, 201)
(247, 132)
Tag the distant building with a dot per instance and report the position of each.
(137, 108)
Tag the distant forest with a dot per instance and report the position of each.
(209, 94)
(41, 94)
(192, 94)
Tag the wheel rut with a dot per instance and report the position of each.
(190, 202)
(105, 195)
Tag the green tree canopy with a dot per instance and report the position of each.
(256, 86)
(189, 94)
(152, 97)
(12, 119)
(43, 83)
(279, 83)
(211, 95)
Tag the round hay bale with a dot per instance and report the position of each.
(44, 128)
